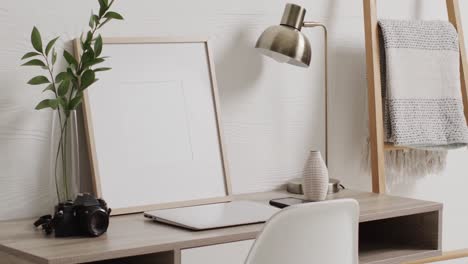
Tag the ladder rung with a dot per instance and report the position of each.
(390, 147)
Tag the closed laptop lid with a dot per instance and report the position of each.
(215, 215)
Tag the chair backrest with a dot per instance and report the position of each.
(316, 233)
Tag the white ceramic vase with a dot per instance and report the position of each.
(315, 186)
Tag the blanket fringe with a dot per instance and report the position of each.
(405, 166)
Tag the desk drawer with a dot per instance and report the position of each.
(228, 253)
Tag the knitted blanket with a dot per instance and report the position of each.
(421, 85)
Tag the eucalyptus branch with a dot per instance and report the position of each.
(50, 69)
(68, 85)
(77, 75)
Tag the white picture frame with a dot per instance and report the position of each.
(160, 101)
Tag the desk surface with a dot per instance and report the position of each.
(131, 235)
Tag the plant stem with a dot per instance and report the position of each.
(55, 168)
(61, 149)
(65, 160)
(50, 69)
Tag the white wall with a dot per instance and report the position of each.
(270, 121)
(272, 113)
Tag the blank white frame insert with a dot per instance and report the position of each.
(153, 128)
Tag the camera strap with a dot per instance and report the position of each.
(46, 222)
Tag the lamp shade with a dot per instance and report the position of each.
(285, 42)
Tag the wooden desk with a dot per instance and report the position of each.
(392, 229)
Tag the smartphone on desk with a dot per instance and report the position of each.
(285, 202)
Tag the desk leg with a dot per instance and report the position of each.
(177, 256)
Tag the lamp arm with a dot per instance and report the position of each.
(325, 32)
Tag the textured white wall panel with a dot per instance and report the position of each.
(271, 112)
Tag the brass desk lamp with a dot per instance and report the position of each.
(287, 44)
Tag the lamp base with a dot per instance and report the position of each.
(295, 186)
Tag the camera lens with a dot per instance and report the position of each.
(96, 222)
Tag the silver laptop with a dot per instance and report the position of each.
(211, 216)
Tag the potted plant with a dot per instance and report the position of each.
(66, 88)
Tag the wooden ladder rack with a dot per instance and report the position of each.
(377, 144)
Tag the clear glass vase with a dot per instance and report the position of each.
(64, 156)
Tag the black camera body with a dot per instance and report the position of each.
(86, 216)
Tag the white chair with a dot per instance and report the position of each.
(316, 233)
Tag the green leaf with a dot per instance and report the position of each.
(72, 69)
(36, 40)
(87, 79)
(50, 45)
(49, 87)
(30, 54)
(81, 40)
(86, 45)
(87, 57)
(113, 15)
(93, 62)
(105, 22)
(62, 76)
(103, 6)
(102, 69)
(47, 103)
(89, 37)
(75, 101)
(63, 87)
(69, 58)
(70, 73)
(34, 63)
(96, 19)
(91, 20)
(73, 77)
(54, 56)
(62, 100)
(98, 46)
(38, 80)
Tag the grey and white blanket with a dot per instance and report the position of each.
(421, 85)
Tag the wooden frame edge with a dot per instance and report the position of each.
(454, 16)
(374, 96)
(89, 130)
(152, 40)
(217, 108)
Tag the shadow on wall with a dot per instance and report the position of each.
(348, 118)
(239, 67)
(349, 122)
